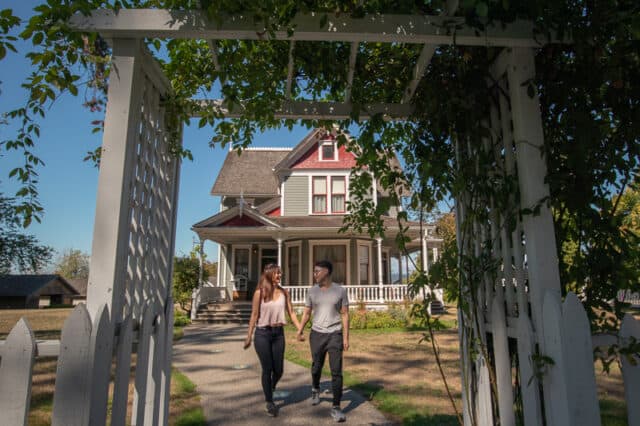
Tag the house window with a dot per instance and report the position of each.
(337, 255)
(293, 266)
(268, 256)
(363, 265)
(338, 192)
(328, 151)
(319, 194)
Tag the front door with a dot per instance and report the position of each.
(240, 273)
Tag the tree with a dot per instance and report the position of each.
(73, 263)
(186, 278)
(19, 251)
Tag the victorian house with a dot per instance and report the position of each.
(286, 206)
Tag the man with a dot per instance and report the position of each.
(329, 332)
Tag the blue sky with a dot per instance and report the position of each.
(68, 185)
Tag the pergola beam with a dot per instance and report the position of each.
(292, 45)
(418, 71)
(213, 48)
(310, 110)
(435, 30)
(352, 68)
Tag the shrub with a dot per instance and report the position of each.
(181, 319)
(394, 317)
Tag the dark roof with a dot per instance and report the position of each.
(24, 285)
(250, 172)
(80, 284)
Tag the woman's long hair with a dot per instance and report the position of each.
(267, 286)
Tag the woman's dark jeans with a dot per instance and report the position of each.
(269, 344)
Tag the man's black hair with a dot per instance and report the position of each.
(325, 264)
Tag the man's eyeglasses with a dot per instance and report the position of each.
(317, 271)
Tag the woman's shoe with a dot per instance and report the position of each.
(272, 410)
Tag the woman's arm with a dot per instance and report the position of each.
(255, 311)
(289, 307)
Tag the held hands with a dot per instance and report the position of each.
(300, 336)
(247, 342)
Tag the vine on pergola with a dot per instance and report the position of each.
(589, 92)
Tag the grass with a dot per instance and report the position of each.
(184, 406)
(397, 372)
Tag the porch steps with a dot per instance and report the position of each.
(437, 307)
(224, 313)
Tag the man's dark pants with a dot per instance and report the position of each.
(321, 343)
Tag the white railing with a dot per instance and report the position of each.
(386, 293)
(628, 296)
(84, 354)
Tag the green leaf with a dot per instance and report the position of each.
(482, 9)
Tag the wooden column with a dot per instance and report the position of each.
(111, 229)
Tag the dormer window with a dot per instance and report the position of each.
(328, 151)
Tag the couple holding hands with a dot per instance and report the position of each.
(329, 332)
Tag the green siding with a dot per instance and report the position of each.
(296, 196)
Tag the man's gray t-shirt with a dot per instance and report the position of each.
(326, 305)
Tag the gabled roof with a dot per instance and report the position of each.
(25, 285)
(301, 149)
(233, 212)
(80, 284)
(250, 173)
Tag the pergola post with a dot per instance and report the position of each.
(111, 228)
(539, 234)
(542, 260)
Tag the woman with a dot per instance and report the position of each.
(268, 318)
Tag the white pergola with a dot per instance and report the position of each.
(121, 242)
(137, 198)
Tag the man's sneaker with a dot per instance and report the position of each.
(315, 396)
(272, 410)
(338, 415)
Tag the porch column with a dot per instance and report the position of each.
(380, 283)
(195, 297)
(425, 253)
(400, 275)
(279, 240)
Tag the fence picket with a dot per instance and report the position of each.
(70, 403)
(631, 373)
(502, 363)
(165, 381)
(483, 398)
(555, 387)
(123, 369)
(578, 355)
(142, 366)
(101, 356)
(528, 381)
(16, 367)
(154, 372)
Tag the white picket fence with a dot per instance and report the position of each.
(570, 392)
(86, 352)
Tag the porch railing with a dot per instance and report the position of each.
(358, 293)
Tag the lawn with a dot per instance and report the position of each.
(398, 373)
(184, 409)
(392, 367)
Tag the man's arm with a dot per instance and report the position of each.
(344, 313)
(306, 314)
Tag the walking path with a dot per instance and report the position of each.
(228, 380)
